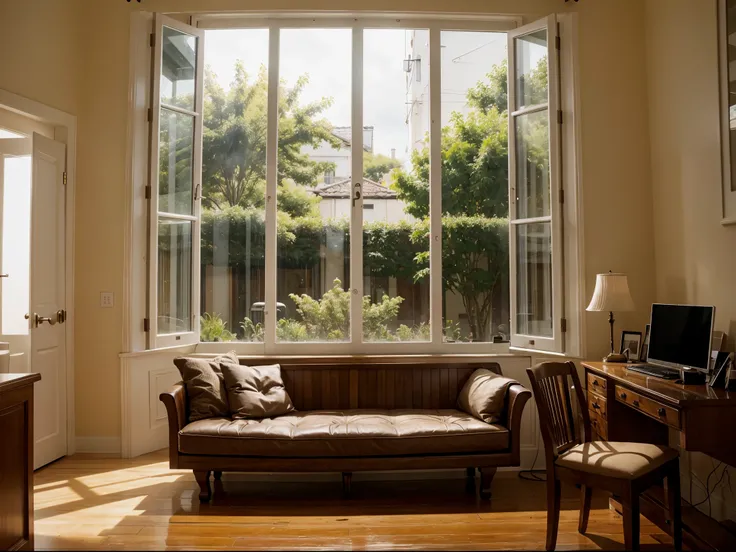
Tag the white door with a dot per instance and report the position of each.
(47, 306)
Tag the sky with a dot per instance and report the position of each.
(326, 56)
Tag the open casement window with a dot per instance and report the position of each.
(176, 172)
(535, 193)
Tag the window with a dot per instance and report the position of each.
(344, 185)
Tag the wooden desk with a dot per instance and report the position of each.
(16, 461)
(629, 406)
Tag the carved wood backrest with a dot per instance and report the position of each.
(337, 386)
(551, 383)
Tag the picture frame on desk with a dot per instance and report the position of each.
(632, 342)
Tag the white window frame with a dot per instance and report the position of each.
(435, 23)
(554, 344)
(155, 339)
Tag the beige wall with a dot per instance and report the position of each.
(38, 51)
(615, 134)
(695, 255)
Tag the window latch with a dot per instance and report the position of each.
(356, 193)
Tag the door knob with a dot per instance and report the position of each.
(38, 320)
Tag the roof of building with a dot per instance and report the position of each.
(345, 133)
(343, 189)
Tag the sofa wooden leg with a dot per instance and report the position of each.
(347, 479)
(486, 478)
(203, 480)
(218, 475)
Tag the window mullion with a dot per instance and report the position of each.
(272, 142)
(435, 187)
(356, 213)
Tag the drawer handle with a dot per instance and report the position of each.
(595, 382)
(662, 412)
(623, 395)
(635, 402)
(596, 405)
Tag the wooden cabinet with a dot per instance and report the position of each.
(16, 461)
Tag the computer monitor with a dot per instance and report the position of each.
(680, 336)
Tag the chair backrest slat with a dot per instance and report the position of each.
(551, 383)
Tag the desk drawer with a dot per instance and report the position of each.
(597, 404)
(655, 409)
(596, 384)
(599, 426)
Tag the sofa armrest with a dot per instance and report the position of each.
(175, 401)
(517, 397)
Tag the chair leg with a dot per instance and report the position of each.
(675, 503)
(203, 479)
(470, 479)
(630, 512)
(486, 478)
(586, 493)
(553, 509)
(347, 479)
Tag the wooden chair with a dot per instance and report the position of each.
(625, 469)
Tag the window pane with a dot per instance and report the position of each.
(534, 279)
(313, 277)
(395, 242)
(174, 276)
(175, 163)
(234, 185)
(532, 165)
(16, 238)
(531, 69)
(178, 68)
(475, 261)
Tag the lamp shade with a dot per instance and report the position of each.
(611, 293)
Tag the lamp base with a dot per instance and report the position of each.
(615, 357)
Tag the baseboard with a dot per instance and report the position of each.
(99, 445)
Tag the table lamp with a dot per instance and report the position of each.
(611, 294)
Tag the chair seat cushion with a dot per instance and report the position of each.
(615, 459)
(328, 433)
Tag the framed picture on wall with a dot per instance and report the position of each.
(727, 75)
(632, 342)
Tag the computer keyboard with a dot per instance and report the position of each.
(656, 371)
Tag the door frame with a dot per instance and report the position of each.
(65, 131)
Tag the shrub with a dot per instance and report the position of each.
(213, 328)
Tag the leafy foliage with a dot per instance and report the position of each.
(213, 328)
(234, 142)
(377, 165)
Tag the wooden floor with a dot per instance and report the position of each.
(88, 502)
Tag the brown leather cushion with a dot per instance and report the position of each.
(202, 377)
(255, 391)
(614, 459)
(328, 433)
(484, 395)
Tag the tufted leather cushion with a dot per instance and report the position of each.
(484, 394)
(326, 433)
(255, 391)
(621, 460)
(205, 387)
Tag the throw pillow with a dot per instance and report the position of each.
(484, 394)
(256, 391)
(205, 386)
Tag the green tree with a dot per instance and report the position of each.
(474, 155)
(377, 165)
(234, 142)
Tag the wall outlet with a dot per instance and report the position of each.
(107, 299)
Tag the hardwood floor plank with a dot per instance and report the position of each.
(87, 502)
